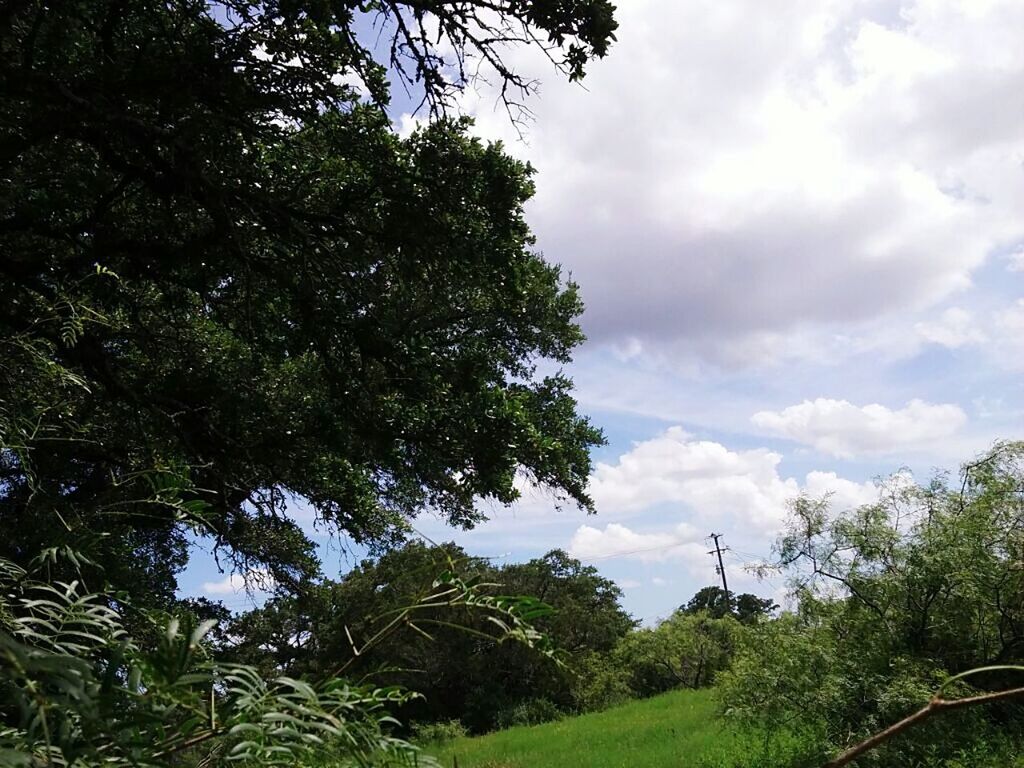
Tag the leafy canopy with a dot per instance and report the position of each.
(446, 654)
(746, 607)
(228, 283)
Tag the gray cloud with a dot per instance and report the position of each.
(732, 173)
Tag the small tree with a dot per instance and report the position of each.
(684, 651)
(894, 599)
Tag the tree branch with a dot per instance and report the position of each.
(936, 705)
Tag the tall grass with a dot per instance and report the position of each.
(677, 729)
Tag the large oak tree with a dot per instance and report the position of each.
(226, 282)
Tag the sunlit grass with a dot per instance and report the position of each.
(678, 729)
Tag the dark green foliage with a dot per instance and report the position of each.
(587, 616)
(462, 675)
(894, 598)
(746, 607)
(224, 271)
(587, 619)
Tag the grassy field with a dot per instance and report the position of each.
(677, 729)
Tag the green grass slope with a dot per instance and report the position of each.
(678, 729)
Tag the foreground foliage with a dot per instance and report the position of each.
(77, 689)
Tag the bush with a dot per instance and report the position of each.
(529, 712)
(894, 599)
(438, 733)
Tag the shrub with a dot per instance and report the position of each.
(438, 733)
(529, 712)
(894, 599)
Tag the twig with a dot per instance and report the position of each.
(936, 705)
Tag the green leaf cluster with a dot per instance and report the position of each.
(683, 651)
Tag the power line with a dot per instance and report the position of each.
(751, 555)
(633, 551)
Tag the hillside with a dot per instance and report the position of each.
(676, 729)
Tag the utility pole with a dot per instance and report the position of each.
(721, 569)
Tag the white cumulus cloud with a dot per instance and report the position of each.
(842, 429)
(712, 482)
(843, 494)
(616, 540)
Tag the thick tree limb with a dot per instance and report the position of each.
(935, 706)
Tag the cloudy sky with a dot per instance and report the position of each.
(799, 232)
